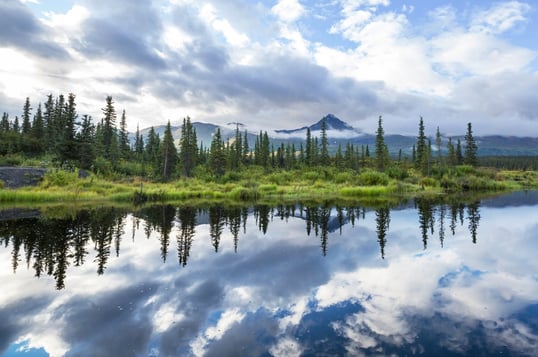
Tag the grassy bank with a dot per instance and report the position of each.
(255, 185)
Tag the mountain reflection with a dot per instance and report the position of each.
(50, 245)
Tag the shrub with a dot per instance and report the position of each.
(343, 177)
(373, 178)
(60, 178)
(102, 166)
(397, 173)
(280, 178)
(311, 175)
(230, 176)
(428, 182)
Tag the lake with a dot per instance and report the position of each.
(426, 277)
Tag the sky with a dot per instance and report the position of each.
(280, 64)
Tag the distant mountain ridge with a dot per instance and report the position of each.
(331, 123)
(340, 133)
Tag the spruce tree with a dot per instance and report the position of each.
(308, 148)
(188, 148)
(48, 121)
(451, 153)
(85, 139)
(421, 161)
(217, 156)
(459, 153)
(152, 149)
(324, 145)
(139, 144)
(125, 148)
(470, 147)
(381, 155)
(167, 154)
(438, 147)
(109, 124)
(26, 112)
(246, 149)
(67, 145)
(38, 129)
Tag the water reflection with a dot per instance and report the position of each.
(425, 277)
(50, 245)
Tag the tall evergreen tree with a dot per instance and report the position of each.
(308, 148)
(4, 124)
(381, 155)
(438, 143)
(58, 124)
(217, 156)
(246, 149)
(26, 112)
(125, 146)
(152, 148)
(38, 128)
(48, 121)
(67, 144)
(188, 148)
(470, 147)
(168, 154)
(421, 149)
(324, 145)
(109, 124)
(85, 142)
(139, 144)
(451, 153)
(459, 153)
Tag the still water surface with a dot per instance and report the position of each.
(423, 278)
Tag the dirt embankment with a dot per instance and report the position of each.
(15, 177)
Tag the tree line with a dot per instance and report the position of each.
(56, 132)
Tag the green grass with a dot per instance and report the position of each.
(254, 185)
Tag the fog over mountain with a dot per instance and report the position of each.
(340, 133)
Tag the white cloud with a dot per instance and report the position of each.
(288, 10)
(286, 347)
(500, 18)
(227, 319)
(473, 53)
(209, 13)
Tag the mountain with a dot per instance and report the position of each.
(334, 126)
(341, 133)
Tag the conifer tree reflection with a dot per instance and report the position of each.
(216, 225)
(244, 216)
(102, 234)
(310, 214)
(161, 220)
(453, 218)
(340, 218)
(382, 219)
(185, 236)
(425, 219)
(473, 215)
(81, 237)
(442, 213)
(261, 214)
(118, 233)
(61, 246)
(234, 222)
(165, 228)
(323, 223)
